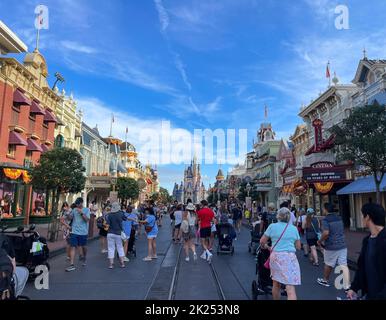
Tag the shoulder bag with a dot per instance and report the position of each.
(267, 263)
(318, 234)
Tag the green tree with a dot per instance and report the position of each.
(61, 171)
(361, 138)
(164, 195)
(243, 193)
(128, 189)
(155, 196)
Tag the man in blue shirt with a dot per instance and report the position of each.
(79, 232)
(335, 249)
(129, 229)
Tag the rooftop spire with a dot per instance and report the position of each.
(364, 54)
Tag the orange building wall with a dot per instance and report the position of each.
(6, 97)
(6, 103)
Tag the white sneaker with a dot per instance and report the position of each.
(203, 256)
(104, 251)
(194, 256)
(209, 257)
(126, 259)
(187, 259)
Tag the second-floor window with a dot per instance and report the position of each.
(11, 150)
(28, 155)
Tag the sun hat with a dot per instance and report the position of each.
(115, 207)
(190, 207)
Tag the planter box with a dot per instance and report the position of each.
(12, 222)
(40, 220)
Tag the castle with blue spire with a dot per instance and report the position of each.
(192, 187)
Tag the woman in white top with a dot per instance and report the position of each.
(177, 225)
(188, 231)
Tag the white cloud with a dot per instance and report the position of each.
(184, 107)
(163, 15)
(77, 47)
(181, 68)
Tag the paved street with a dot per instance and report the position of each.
(143, 280)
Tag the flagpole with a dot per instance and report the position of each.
(329, 74)
(111, 125)
(37, 40)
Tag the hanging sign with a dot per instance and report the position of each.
(324, 187)
(12, 174)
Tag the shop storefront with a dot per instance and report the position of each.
(360, 192)
(325, 179)
(15, 195)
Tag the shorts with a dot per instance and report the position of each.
(312, 242)
(102, 232)
(152, 236)
(205, 232)
(335, 257)
(78, 240)
(177, 226)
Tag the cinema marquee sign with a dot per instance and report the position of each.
(325, 172)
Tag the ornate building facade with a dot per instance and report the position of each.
(27, 125)
(68, 132)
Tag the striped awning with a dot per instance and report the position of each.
(45, 148)
(36, 108)
(49, 117)
(33, 145)
(20, 98)
(16, 139)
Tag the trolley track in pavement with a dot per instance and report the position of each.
(209, 284)
(147, 296)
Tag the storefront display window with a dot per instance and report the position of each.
(39, 204)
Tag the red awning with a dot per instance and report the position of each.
(36, 108)
(45, 148)
(16, 139)
(49, 117)
(33, 146)
(20, 98)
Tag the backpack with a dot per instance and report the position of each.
(7, 286)
(100, 222)
(185, 226)
(271, 217)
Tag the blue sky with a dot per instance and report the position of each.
(198, 64)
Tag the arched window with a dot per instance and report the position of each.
(59, 141)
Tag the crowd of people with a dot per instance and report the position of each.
(118, 225)
(287, 230)
(284, 232)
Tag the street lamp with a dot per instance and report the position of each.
(248, 188)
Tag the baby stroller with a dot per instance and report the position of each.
(31, 249)
(225, 234)
(255, 238)
(131, 245)
(263, 283)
